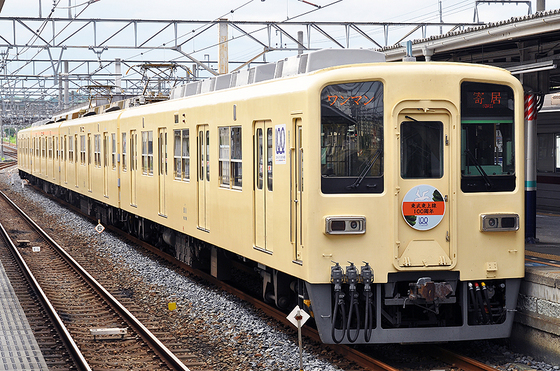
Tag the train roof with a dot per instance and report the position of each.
(291, 66)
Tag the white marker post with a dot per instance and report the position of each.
(298, 318)
(99, 227)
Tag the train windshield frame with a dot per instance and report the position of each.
(487, 137)
(352, 138)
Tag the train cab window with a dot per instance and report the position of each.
(352, 138)
(421, 149)
(487, 138)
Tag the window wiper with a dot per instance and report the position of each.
(363, 174)
(487, 181)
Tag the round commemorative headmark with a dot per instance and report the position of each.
(423, 207)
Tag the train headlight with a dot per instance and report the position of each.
(345, 225)
(499, 222)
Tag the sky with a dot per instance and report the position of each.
(276, 10)
(240, 49)
(280, 10)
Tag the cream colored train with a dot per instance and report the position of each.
(384, 198)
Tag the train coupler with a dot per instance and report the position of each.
(428, 290)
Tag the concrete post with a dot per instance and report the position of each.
(300, 42)
(66, 82)
(223, 47)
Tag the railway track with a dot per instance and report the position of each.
(107, 335)
(455, 361)
(42, 323)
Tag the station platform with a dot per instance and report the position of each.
(536, 330)
(18, 347)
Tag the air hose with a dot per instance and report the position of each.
(367, 276)
(352, 276)
(336, 278)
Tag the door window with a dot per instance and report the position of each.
(421, 149)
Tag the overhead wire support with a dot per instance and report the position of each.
(51, 47)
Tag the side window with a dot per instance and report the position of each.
(224, 159)
(185, 154)
(352, 138)
(70, 149)
(177, 154)
(133, 150)
(147, 152)
(260, 161)
(97, 150)
(230, 161)
(181, 154)
(124, 158)
(114, 150)
(82, 149)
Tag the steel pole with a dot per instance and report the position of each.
(531, 167)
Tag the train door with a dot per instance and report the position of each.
(106, 164)
(75, 159)
(423, 230)
(89, 164)
(64, 156)
(133, 166)
(162, 153)
(296, 164)
(203, 141)
(263, 170)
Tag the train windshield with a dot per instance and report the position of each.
(352, 138)
(487, 138)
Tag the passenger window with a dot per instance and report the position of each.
(352, 138)
(260, 163)
(114, 150)
(124, 158)
(148, 152)
(230, 160)
(97, 150)
(421, 149)
(185, 155)
(181, 154)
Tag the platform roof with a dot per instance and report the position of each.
(524, 45)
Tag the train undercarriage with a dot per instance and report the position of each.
(411, 307)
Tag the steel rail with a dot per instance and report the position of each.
(67, 339)
(349, 353)
(457, 360)
(157, 346)
(361, 359)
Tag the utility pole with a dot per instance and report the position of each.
(440, 18)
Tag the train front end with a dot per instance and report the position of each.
(418, 227)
